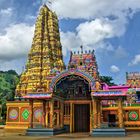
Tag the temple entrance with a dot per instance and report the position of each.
(81, 117)
(99, 128)
(111, 120)
(75, 90)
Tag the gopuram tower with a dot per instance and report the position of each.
(45, 55)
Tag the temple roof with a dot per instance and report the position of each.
(38, 96)
(84, 61)
(133, 79)
(108, 93)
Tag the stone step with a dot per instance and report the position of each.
(44, 131)
(101, 132)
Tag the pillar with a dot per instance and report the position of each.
(91, 116)
(58, 119)
(101, 109)
(139, 113)
(120, 113)
(19, 113)
(62, 114)
(7, 114)
(94, 113)
(47, 124)
(44, 113)
(31, 108)
(99, 113)
(51, 113)
(47, 112)
(71, 117)
(73, 127)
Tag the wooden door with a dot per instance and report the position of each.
(81, 117)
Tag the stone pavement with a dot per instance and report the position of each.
(75, 136)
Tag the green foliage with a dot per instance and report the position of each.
(108, 80)
(12, 72)
(8, 82)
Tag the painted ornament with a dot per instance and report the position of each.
(13, 114)
(38, 114)
(133, 116)
(25, 114)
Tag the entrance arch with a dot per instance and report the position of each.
(75, 87)
(72, 87)
(66, 73)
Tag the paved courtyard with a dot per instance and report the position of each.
(76, 136)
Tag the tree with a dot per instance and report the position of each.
(8, 82)
(13, 72)
(108, 80)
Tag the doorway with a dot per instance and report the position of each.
(81, 118)
(111, 120)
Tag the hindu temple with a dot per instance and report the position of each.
(52, 98)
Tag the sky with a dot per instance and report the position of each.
(111, 28)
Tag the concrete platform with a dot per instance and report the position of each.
(65, 136)
(44, 131)
(108, 132)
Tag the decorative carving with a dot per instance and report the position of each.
(13, 114)
(38, 115)
(133, 116)
(25, 114)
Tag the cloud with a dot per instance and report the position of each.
(88, 9)
(91, 34)
(30, 17)
(16, 41)
(6, 12)
(6, 18)
(120, 52)
(17, 64)
(94, 31)
(135, 61)
(69, 42)
(104, 19)
(114, 69)
(72, 42)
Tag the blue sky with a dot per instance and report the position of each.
(111, 28)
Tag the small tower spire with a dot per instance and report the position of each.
(81, 49)
(43, 2)
(47, 2)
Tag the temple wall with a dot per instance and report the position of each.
(131, 116)
(19, 114)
